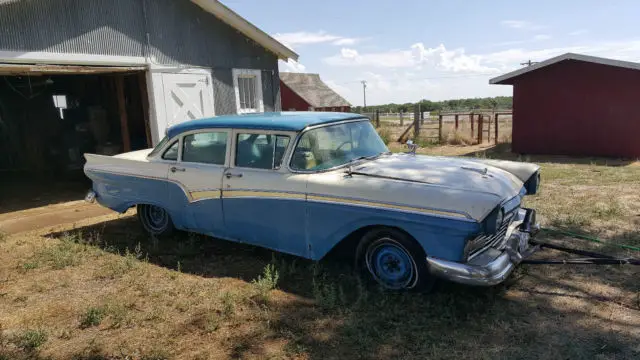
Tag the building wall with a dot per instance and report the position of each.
(292, 101)
(577, 108)
(179, 33)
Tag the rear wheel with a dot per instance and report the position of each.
(393, 260)
(155, 220)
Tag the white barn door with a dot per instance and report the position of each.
(180, 97)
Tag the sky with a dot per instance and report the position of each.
(408, 50)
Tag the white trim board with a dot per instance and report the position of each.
(567, 56)
(38, 57)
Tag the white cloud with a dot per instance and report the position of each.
(579, 32)
(294, 39)
(417, 56)
(291, 66)
(437, 73)
(346, 41)
(521, 25)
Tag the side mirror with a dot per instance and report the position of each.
(412, 147)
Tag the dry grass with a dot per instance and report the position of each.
(102, 290)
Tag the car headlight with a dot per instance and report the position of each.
(493, 221)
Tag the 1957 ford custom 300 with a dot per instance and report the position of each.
(304, 182)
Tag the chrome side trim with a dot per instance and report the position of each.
(245, 193)
(383, 205)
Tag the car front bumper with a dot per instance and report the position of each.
(494, 264)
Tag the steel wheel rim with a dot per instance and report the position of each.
(391, 264)
(155, 218)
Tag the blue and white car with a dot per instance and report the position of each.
(303, 183)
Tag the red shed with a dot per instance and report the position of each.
(304, 92)
(576, 105)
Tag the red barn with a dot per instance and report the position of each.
(304, 92)
(576, 105)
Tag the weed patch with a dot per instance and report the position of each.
(30, 340)
(92, 317)
(266, 282)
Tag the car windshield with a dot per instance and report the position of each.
(334, 145)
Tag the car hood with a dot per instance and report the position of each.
(447, 172)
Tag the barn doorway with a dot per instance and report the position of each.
(51, 115)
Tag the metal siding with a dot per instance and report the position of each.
(577, 108)
(180, 33)
(103, 27)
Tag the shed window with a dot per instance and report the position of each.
(248, 88)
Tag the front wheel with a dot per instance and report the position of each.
(155, 220)
(394, 260)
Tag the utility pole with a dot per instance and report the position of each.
(528, 63)
(364, 94)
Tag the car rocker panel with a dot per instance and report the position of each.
(465, 214)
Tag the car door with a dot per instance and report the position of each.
(263, 202)
(202, 161)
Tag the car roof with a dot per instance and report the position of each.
(282, 121)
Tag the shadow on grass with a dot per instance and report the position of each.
(348, 320)
(502, 151)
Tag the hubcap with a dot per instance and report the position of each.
(156, 218)
(391, 265)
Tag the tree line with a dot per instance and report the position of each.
(498, 102)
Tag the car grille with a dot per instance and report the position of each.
(483, 242)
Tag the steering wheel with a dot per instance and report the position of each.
(343, 144)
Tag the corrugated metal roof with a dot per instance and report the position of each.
(502, 79)
(313, 90)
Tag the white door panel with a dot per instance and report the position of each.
(179, 97)
(187, 97)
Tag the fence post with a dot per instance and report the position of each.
(496, 128)
(456, 117)
(421, 114)
(377, 118)
(471, 116)
(416, 123)
(440, 128)
(480, 117)
(401, 119)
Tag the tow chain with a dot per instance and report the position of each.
(589, 257)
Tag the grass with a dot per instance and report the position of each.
(102, 290)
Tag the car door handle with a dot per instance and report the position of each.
(174, 169)
(230, 175)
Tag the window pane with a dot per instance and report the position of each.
(247, 92)
(207, 148)
(172, 152)
(282, 142)
(260, 150)
(334, 145)
(251, 86)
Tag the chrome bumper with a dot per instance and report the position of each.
(493, 265)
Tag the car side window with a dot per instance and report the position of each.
(172, 152)
(260, 151)
(206, 148)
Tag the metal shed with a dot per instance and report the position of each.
(108, 76)
(576, 104)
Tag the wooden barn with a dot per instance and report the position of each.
(575, 104)
(304, 92)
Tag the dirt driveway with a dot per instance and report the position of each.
(14, 222)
